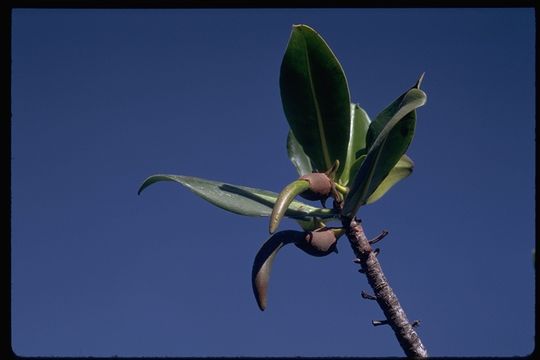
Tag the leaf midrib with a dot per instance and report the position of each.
(322, 135)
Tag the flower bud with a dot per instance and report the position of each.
(320, 242)
(320, 186)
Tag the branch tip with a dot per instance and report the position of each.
(376, 251)
(379, 322)
(379, 237)
(415, 323)
(367, 296)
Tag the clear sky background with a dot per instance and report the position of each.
(104, 98)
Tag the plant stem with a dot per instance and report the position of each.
(397, 319)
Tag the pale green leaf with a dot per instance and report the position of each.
(359, 125)
(297, 155)
(400, 171)
(238, 199)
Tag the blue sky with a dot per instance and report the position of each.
(101, 99)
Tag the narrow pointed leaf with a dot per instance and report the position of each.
(260, 273)
(239, 199)
(286, 196)
(315, 98)
(298, 157)
(359, 125)
(385, 151)
(403, 168)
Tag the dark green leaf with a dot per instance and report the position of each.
(315, 98)
(356, 167)
(239, 199)
(404, 104)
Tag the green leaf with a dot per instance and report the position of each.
(315, 98)
(239, 199)
(385, 151)
(297, 155)
(359, 125)
(404, 104)
(356, 167)
(403, 168)
(262, 265)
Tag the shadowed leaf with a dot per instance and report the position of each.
(260, 274)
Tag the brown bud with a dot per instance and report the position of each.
(318, 243)
(320, 186)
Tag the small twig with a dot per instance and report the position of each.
(367, 296)
(376, 251)
(378, 237)
(359, 262)
(415, 323)
(379, 322)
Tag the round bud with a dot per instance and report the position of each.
(320, 186)
(318, 243)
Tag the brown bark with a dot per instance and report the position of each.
(395, 316)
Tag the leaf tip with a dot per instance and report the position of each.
(143, 186)
(303, 28)
(151, 180)
(419, 81)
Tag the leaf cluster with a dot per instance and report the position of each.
(337, 150)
